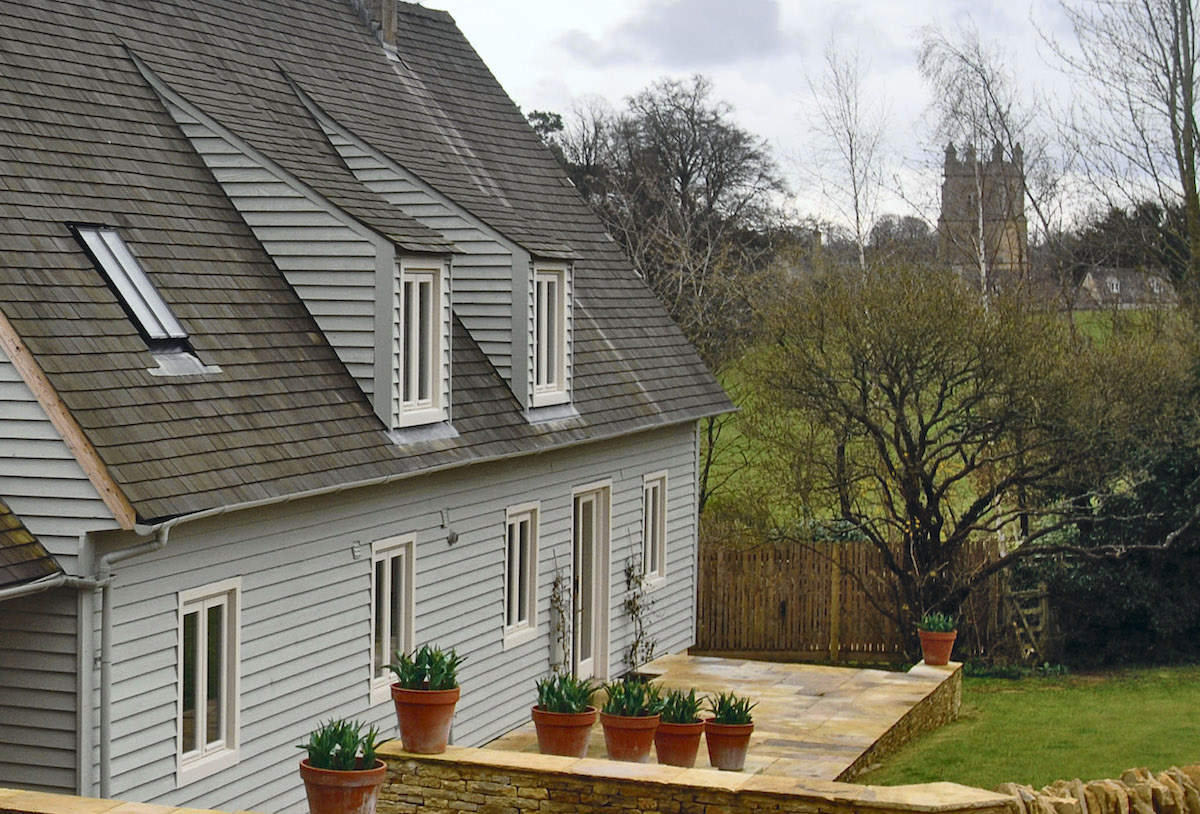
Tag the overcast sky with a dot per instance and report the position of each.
(547, 53)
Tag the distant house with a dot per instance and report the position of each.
(1124, 289)
(308, 352)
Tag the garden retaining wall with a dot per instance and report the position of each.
(491, 781)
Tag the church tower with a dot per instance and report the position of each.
(982, 231)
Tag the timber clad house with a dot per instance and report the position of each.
(308, 352)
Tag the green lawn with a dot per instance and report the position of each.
(1039, 730)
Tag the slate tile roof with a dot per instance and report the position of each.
(22, 557)
(84, 138)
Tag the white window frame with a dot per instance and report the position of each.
(654, 528)
(208, 760)
(125, 274)
(1155, 285)
(403, 547)
(415, 411)
(550, 345)
(1114, 285)
(521, 630)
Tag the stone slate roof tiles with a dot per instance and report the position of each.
(84, 138)
(22, 557)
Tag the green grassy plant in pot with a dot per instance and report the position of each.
(341, 773)
(425, 693)
(937, 632)
(677, 739)
(630, 717)
(564, 715)
(727, 733)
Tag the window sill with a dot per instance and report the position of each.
(519, 636)
(654, 583)
(201, 768)
(550, 398)
(381, 691)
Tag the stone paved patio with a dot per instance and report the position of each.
(811, 721)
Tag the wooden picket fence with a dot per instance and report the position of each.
(809, 602)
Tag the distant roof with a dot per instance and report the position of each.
(22, 557)
(1122, 287)
(84, 138)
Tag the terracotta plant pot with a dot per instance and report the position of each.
(936, 647)
(677, 744)
(350, 792)
(727, 745)
(564, 733)
(629, 738)
(424, 717)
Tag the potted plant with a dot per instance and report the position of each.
(341, 773)
(937, 632)
(425, 693)
(564, 715)
(677, 739)
(629, 717)
(727, 733)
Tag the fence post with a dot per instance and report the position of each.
(835, 603)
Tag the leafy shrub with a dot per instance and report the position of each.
(728, 708)
(564, 693)
(631, 699)
(938, 623)
(342, 746)
(428, 667)
(678, 707)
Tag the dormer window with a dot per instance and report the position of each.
(165, 336)
(1156, 285)
(551, 326)
(422, 336)
(1114, 285)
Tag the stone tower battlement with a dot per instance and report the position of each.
(982, 231)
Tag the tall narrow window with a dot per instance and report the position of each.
(520, 574)
(550, 335)
(391, 609)
(654, 525)
(208, 680)
(420, 328)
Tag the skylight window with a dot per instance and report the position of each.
(152, 316)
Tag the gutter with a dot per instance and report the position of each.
(49, 583)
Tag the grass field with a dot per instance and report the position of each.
(1038, 730)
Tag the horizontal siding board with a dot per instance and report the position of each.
(305, 572)
(486, 255)
(326, 257)
(42, 482)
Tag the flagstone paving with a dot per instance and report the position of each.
(811, 721)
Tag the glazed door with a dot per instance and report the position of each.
(590, 587)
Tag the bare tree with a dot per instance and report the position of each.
(848, 142)
(692, 198)
(1134, 119)
(899, 407)
(984, 110)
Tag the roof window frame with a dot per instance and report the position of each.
(138, 296)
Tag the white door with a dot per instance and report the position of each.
(589, 595)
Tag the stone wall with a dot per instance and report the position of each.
(1138, 791)
(938, 708)
(496, 782)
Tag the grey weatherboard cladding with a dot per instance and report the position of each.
(84, 138)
